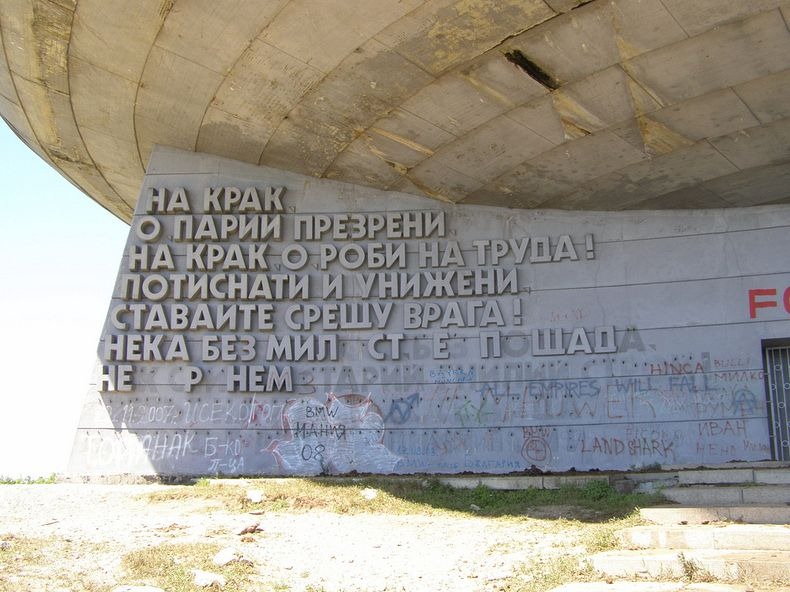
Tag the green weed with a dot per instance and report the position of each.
(693, 571)
(53, 478)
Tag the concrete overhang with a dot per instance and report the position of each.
(603, 105)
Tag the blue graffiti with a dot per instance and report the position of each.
(452, 375)
(400, 409)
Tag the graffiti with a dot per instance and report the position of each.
(401, 409)
(262, 414)
(689, 383)
(490, 465)
(496, 389)
(563, 388)
(639, 445)
(733, 363)
(218, 411)
(304, 382)
(722, 428)
(634, 447)
(536, 449)
(471, 418)
(135, 414)
(744, 401)
(740, 375)
(452, 375)
(758, 447)
(225, 454)
(603, 445)
(675, 367)
(339, 435)
(714, 450)
(728, 402)
(471, 414)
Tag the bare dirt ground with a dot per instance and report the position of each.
(94, 525)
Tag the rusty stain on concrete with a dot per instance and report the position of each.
(658, 138)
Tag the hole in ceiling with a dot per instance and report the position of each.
(534, 71)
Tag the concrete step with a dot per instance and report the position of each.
(694, 564)
(704, 495)
(772, 476)
(518, 482)
(649, 587)
(768, 476)
(716, 476)
(754, 514)
(766, 473)
(730, 536)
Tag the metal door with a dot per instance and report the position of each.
(777, 364)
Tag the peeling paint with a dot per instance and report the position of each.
(573, 131)
(658, 138)
(431, 192)
(463, 36)
(643, 89)
(400, 168)
(625, 49)
(460, 30)
(641, 100)
(50, 25)
(484, 88)
(164, 8)
(576, 118)
(401, 140)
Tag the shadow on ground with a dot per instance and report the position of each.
(594, 502)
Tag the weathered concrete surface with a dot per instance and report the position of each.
(625, 586)
(716, 476)
(750, 514)
(726, 565)
(620, 340)
(729, 495)
(514, 483)
(604, 105)
(730, 536)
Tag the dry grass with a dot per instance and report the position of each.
(540, 576)
(586, 519)
(292, 495)
(603, 537)
(169, 566)
(590, 514)
(595, 502)
(45, 564)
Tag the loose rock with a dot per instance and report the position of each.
(255, 496)
(369, 493)
(204, 579)
(251, 529)
(229, 555)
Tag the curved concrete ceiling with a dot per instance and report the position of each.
(603, 105)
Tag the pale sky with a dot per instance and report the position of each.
(59, 254)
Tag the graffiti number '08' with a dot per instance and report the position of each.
(310, 453)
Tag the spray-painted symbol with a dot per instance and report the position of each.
(535, 450)
(400, 409)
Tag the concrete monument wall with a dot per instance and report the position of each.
(269, 323)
